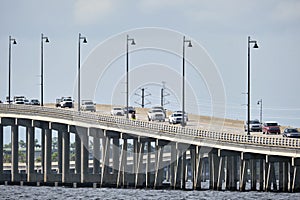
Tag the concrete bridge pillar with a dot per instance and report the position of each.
(15, 176)
(115, 156)
(30, 153)
(159, 164)
(105, 160)
(59, 150)
(65, 156)
(295, 175)
(140, 174)
(84, 154)
(77, 154)
(48, 154)
(214, 167)
(1, 152)
(173, 164)
(121, 179)
(198, 170)
(148, 165)
(96, 159)
(261, 174)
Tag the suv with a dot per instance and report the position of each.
(156, 115)
(64, 102)
(270, 127)
(88, 105)
(176, 118)
(254, 125)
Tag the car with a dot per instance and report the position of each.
(19, 101)
(130, 110)
(160, 107)
(254, 125)
(88, 105)
(291, 132)
(117, 111)
(185, 114)
(156, 115)
(35, 102)
(270, 127)
(26, 102)
(176, 118)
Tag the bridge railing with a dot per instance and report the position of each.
(138, 125)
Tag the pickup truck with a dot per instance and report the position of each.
(88, 105)
(64, 102)
(176, 118)
(156, 115)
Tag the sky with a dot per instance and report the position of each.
(216, 65)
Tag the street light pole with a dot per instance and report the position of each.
(42, 66)
(127, 75)
(183, 78)
(248, 104)
(10, 39)
(260, 102)
(84, 41)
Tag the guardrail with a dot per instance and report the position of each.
(138, 125)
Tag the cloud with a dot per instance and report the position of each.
(91, 11)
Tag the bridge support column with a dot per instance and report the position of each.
(115, 157)
(296, 175)
(253, 165)
(261, 174)
(84, 154)
(214, 164)
(221, 172)
(77, 154)
(148, 165)
(121, 179)
(59, 150)
(173, 164)
(1, 153)
(96, 159)
(105, 160)
(243, 174)
(15, 176)
(159, 165)
(198, 168)
(43, 149)
(232, 175)
(65, 157)
(139, 181)
(48, 154)
(30, 153)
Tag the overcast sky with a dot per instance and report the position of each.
(220, 27)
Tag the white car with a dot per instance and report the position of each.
(176, 118)
(185, 114)
(156, 115)
(117, 111)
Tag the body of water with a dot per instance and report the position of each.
(28, 192)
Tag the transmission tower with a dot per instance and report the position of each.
(143, 95)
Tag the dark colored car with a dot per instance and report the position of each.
(34, 102)
(291, 132)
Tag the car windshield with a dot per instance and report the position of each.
(117, 109)
(177, 115)
(272, 124)
(292, 130)
(157, 110)
(88, 103)
(254, 122)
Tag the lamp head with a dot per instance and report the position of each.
(132, 42)
(255, 46)
(190, 44)
(47, 40)
(84, 40)
(14, 42)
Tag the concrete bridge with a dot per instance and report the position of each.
(161, 155)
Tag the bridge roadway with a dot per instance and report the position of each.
(232, 158)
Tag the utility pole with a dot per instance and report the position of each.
(163, 95)
(142, 98)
